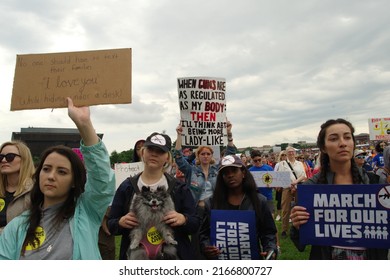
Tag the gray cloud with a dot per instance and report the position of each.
(289, 66)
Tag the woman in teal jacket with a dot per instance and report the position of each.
(67, 207)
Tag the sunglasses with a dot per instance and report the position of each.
(9, 157)
(283, 155)
(257, 160)
(301, 158)
(360, 157)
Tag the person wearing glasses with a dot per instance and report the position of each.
(302, 158)
(259, 164)
(360, 160)
(16, 172)
(67, 206)
(297, 176)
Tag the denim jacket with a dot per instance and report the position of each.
(200, 186)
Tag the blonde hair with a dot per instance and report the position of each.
(26, 171)
(290, 148)
(169, 163)
(166, 166)
(280, 155)
(199, 150)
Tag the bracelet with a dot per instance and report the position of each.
(229, 134)
(230, 139)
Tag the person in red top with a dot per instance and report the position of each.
(302, 158)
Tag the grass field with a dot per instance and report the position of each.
(289, 252)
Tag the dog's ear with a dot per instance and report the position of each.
(160, 189)
(145, 189)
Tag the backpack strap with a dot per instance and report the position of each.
(292, 169)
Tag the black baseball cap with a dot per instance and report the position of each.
(231, 160)
(159, 140)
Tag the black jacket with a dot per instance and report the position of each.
(184, 204)
(265, 225)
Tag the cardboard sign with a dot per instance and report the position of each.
(346, 215)
(234, 233)
(125, 170)
(89, 78)
(379, 128)
(272, 179)
(203, 111)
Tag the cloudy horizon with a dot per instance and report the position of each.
(289, 65)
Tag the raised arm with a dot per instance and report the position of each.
(229, 134)
(230, 148)
(82, 119)
(179, 131)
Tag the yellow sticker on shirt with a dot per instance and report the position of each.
(2, 204)
(40, 234)
(154, 236)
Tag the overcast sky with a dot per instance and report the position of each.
(289, 65)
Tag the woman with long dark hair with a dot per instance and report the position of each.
(236, 189)
(67, 207)
(337, 144)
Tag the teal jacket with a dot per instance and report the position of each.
(90, 209)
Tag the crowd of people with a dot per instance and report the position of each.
(66, 207)
(67, 197)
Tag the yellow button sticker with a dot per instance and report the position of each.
(2, 204)
(154, 236)
(40, 234)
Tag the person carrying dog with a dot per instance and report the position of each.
(157, 158)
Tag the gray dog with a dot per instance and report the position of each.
(152, 239)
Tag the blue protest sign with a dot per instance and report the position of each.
(234, 233)
(346, 215)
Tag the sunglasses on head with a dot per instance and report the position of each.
(9, 157)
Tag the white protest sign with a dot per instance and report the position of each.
(124, 170)
(203, 111)
(272, 179)
(379, 128)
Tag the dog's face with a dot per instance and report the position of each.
(154, 199)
